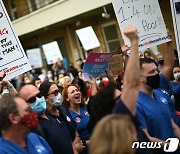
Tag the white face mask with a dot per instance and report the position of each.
(49, 75)
(177, 76)
(57, 100)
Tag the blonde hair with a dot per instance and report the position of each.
(62, 81)
(114, 134)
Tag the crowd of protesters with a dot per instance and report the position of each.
(56, 111)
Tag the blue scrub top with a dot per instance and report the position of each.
(57, 134)
(81, 120)
(35, 145)
(155, 113)
(175, 87)
(166, 89)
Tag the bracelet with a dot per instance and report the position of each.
(10, 86)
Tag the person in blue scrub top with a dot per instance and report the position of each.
(73, 100)
(16, 121)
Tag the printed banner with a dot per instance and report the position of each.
(88, 38)
(175, 9)
(34, 57)
(146, 16)
(116, 64)
(13, 60)
(96, 64)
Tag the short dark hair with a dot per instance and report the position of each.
(44, 88)
(7, 106)
(147, 61)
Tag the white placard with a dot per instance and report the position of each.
(175, 9)
(52, 52)
(34, 57)
(146, 16)
(13, 60)
(88, 38)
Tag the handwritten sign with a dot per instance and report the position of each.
(13, 60)
(116, 64)
(175, 9)
(52, 52)
(88, 38)
(96, 64)
(34, 57)
(146, 16)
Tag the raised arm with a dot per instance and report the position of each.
(168, 59)
(132, 72)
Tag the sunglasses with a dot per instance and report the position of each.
(55, 92)
(33, 99)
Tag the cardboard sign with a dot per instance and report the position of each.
(52, 52)
(88, 38)
(13, 60)
(146, 16)
(175, 9)
(96, 64)
(34, 57)
(116, 64)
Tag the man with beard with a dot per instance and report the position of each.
(16, 121)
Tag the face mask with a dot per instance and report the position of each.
(30, 120)
(161, 62)
(39, 106)
(43, 71)
(153, 81)
(176, 76)
(57, 100)
(49, 75)
(98, 82)
(38, 85)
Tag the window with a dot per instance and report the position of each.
(111, 37)
(37, 4)
(13, 10)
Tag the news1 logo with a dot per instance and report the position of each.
(171, 145)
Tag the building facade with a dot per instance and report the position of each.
(37, 22)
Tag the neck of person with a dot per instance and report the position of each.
(43, 115)
(19, 138)
(75, 108)
(53, 109)
(177, 81)
(144, 88)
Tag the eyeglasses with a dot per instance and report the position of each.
(55, 92)
(33, 99)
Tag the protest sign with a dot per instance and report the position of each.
(146, 16)
(13, 60)
(34, 57)
(52, 52)
(175, 9)
(88, 38)
(96, 64)
(116, 64)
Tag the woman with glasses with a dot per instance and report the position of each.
(56, 110)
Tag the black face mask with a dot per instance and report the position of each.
(161, 62)
(153, 81)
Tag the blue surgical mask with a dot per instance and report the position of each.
(39, 106)
(57, 100)
(98, 82)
